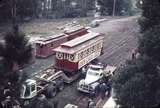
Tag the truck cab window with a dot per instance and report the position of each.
(27, 91)
(32, 87)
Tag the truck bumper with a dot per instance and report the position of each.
(86, 90)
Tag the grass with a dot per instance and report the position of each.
(47, 28)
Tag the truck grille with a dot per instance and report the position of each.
(86, 87)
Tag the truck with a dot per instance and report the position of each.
(71, 57)
(47, 82)
(96, 75)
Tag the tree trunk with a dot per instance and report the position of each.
(14, 14)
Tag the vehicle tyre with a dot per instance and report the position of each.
(51, 91)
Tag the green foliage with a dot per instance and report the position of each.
(149, 43)
(137, 84)
(122, 7)
(14, 50)
(150, 14)
(26, 7)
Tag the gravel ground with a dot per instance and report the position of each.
(39, 65)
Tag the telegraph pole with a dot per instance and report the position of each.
(114, 8)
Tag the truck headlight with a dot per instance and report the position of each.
(90, 87)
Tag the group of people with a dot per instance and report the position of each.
(103, 89)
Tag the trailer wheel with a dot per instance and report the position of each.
(51, 91)
(61, 86)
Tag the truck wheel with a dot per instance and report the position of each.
(51, 92)
(61, 86)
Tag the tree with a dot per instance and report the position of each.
(15, 50)
(139, 80)
(137, 84)
(149, 43)
(122, 7)
(5, 10)
(150, 25)
(150, 14)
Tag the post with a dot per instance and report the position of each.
(114, 8)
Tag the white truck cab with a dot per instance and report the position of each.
(93, 76)
(94, 73)
(29, 89)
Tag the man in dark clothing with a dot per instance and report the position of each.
(103, 89)
(109, 87)
(97, 90)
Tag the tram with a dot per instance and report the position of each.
(73, 55)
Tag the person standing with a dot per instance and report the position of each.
(109, 87)
(91, 104)
(103, 90)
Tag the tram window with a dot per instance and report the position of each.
(79, 56)
(88, 51)
(99, 45)
(64, 56)
(71, 57)
(68, 56)
(82, 54)
(41, 46)
(96, 46)
(52, 44)
(59, 55)
(92, 49)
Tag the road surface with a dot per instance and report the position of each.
(120, 39)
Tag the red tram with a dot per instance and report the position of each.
(44, 47)
(74, 54)
(75, 32)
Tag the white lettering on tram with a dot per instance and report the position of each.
(90, 53)
(88, 59)
(70, 57)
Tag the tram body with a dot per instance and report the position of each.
(75, 31)
(73, 55)
(44, 47)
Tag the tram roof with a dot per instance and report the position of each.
(73, 29)
(50, 39)
(77, 41)
(72, 50)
